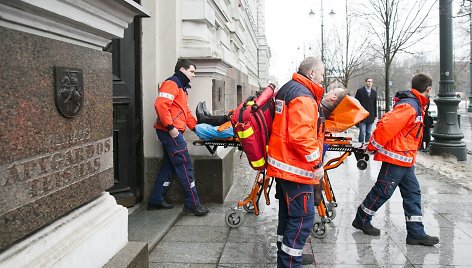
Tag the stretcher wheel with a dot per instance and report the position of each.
(234, 218)
(331, 210)
(249, 207)
(361, 164)
(320, 230)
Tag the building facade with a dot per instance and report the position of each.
(226, 40)
(79, 79)
(57, 136)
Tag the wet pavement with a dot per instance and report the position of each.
(466, 129)
(447, 208)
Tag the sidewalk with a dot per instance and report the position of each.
(447, 207)
(449, 168)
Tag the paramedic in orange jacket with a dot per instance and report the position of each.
(173, 117)
(295, 158)
(395, 141)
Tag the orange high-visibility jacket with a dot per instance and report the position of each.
(398, 133)
(171, 105)
(296, 143)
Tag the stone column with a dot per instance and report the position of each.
(56, 132)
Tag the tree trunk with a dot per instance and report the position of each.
(387, 86)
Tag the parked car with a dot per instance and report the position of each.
(433, 110)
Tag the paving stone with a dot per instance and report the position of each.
(186, 253)
(208, 242)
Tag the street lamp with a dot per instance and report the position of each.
(312, 13)
(304, 51)
(447, 134)
(462, 12)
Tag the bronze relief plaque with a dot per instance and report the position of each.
(68, 90)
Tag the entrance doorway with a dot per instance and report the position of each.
(127, 114)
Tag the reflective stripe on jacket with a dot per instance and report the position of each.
(296, 141)
(398, 133)
(172, 108)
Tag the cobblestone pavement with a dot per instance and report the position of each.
(447, 208)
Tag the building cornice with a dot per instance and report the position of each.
(214, 68)
(88, 23)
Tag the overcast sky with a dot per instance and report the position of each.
(292, 32)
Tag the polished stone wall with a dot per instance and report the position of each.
(213, 178)
(51, 164)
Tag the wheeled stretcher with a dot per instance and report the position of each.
(212, 145)
(263, 184)
(327, 207)
(347, 114)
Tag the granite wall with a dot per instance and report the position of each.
(55, 130)
(213, 178)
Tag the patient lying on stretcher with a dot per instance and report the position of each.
(212, 127)
(341, 111)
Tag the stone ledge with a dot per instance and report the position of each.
(87, 237)
(214, 177)
(134, 254)
(84, 22)
(151, 226)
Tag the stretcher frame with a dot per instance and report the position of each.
(327, 207)
(212, 145)
(262, 184)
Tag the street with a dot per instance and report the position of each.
(447, 208)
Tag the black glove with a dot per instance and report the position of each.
(278, 189)
(317, 196)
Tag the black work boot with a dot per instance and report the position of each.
(214, 120)
(203, 116)
(198, 211)
(425, 241)
(307, 259)
(367, 228)
(200, 112)
(164, 205)
(205, 110)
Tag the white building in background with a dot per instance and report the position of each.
(226, 39)
(123, 50)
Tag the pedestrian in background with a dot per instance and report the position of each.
(295, 159)
(173, 117)
(367, 96)
(395, 141)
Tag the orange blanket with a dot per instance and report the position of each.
(348, 113)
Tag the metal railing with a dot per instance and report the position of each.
(381, 106)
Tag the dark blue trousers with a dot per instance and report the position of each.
(296, 218)
(175, 159)
(391, 176)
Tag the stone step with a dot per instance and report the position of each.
(134, 254)
(150, 226)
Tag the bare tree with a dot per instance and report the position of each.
(462, 57)
(353, 61)
(396, 25)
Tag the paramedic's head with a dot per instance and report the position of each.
(422, 83)
(331, 99)
(187, 67)
(312, 68)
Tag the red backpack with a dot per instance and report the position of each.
(252, 124)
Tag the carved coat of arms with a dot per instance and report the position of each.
(69, 90)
